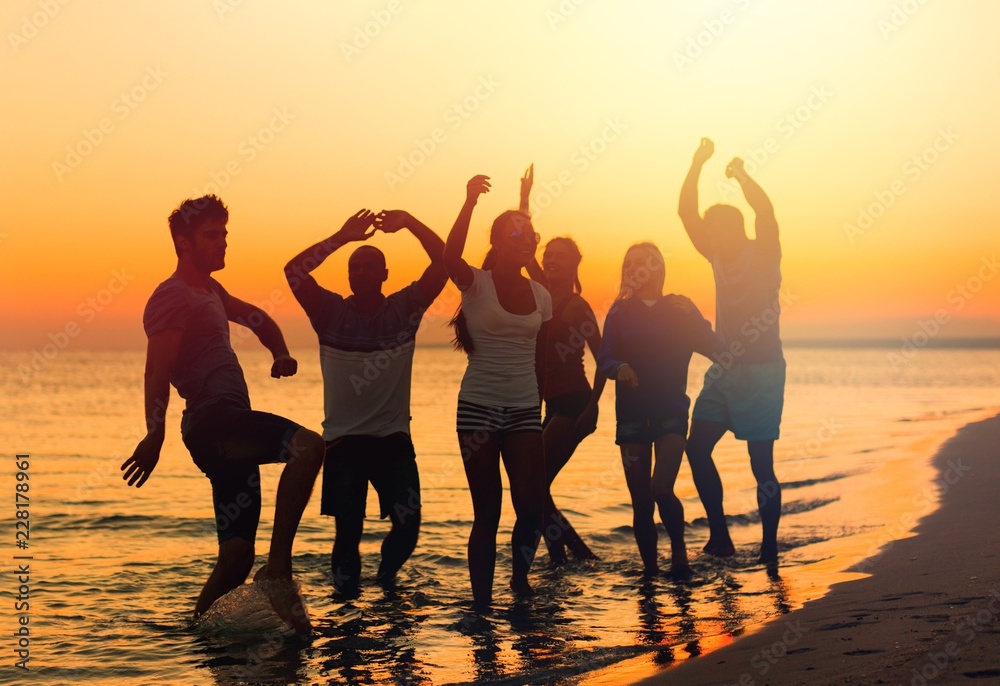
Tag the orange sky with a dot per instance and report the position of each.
(300, 113)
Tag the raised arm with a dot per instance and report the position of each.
(297, 271)
(688, 206)
(766, 224)
(456, 266)
(266, 329)
(434, 277)
(527, 181)
(161, 355)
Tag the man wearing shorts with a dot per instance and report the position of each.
(744, 393)
(366, 351)
(187, 323)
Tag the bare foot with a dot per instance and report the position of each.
(679, 567)
(768, 555)
(723, 548)
(283, 593)
(521, 587)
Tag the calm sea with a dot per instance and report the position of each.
(115, 571)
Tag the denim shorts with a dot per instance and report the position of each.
(647, 431)
(746, 398)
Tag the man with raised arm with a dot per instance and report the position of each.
(366, 350)
(744, 391)
(187, 324)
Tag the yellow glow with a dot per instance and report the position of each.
(297, 115)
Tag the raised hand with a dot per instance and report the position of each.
(735, 168)
(705, 150)
(356, 227)
(527, 181)
(477, 185)
(391, 221)
(284, 365)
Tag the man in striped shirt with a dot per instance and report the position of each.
(366, 352)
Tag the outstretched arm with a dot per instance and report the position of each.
(766, 224)
(456, 266)
(266, 329)
(688, 206)
(161, 355)
(297, 271)
(435, 276)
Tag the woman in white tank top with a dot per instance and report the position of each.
(499, 326)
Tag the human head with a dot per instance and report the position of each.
(366, 270)
(725, 229)
(190, 214)
(561, 261)
(643, 270)
(198, 229)
(512, 240)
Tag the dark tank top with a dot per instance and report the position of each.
(564, 349)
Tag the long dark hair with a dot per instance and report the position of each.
(463, 339)
(577, 258)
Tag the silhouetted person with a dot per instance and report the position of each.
(570, 403)
(187, 323)
(648, 342)
(501, 327)
(366, 348)
(746, 395)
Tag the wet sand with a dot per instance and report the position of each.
(928, 614)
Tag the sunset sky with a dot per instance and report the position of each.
(871, 124)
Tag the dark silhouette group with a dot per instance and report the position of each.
(525, 329)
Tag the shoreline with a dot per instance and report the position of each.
(928, 614)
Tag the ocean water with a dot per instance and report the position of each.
(114, 571)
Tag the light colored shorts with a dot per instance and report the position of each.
(747, 399)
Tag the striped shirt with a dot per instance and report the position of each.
(367, 362)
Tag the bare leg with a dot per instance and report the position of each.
(306, 450)
(669, 453)
(235, 561)
(481, 458)
(560, 442)
(398, 544)
(768, 496)
(524, 460)
(637, 461)
(701, 442)
(345, 560)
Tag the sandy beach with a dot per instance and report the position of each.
(928, 614)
